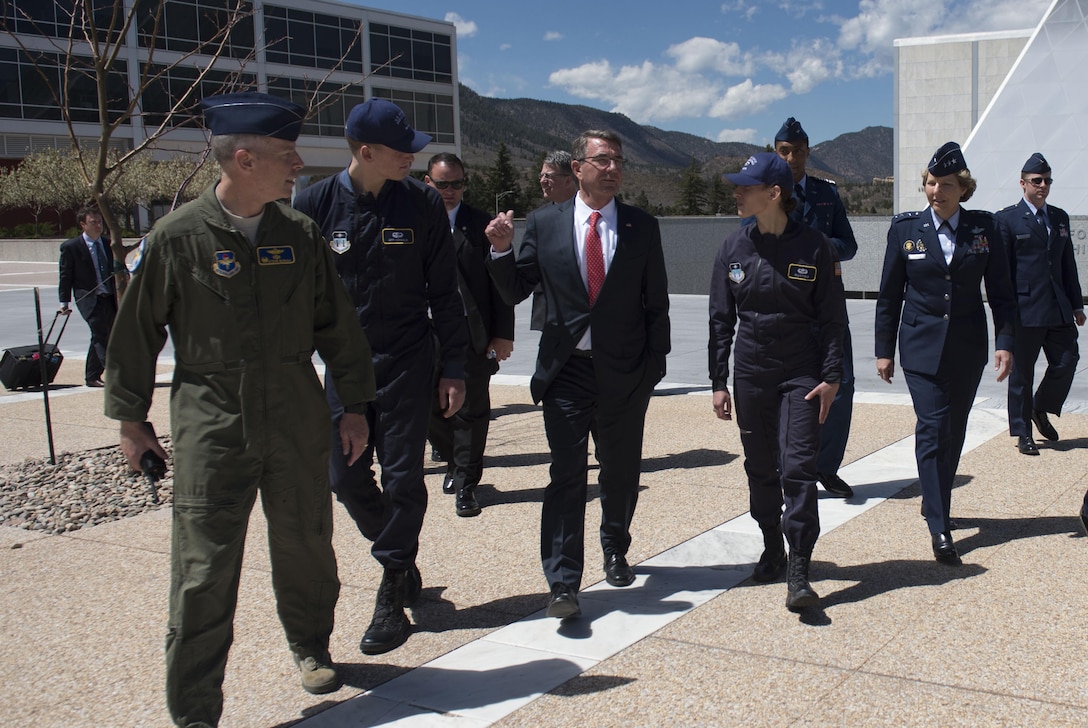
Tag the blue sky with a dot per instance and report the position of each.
(728, 71)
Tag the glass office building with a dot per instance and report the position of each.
(291, 48)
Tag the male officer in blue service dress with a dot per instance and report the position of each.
(247, 289)
(395, 255)
(602, 350)
(1048, 303)
(820, 207)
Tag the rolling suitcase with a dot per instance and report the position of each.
(20, 367)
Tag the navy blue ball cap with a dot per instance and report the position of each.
(379, 121)
(765, 168)
(1036, 164)
(791, 132)
(251, 112)
(947, 160)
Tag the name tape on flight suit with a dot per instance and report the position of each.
(276, 255)
(398, 236)
(801, 272)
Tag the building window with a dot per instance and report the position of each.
(186, 26)
(418, 55)
(54, 18)
(314, 40)
(24, 94)
(429, 113)
(174, 82)
(328, 120)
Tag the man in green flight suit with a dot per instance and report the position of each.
(248, 290)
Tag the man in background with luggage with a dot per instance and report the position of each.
(86, 270)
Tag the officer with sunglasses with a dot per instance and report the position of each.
(1048, 301)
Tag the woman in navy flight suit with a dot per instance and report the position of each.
(777, 304)
(930, 291)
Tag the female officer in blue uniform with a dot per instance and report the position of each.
(776, 284)
(930, 292)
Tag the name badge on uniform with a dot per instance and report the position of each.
(225, 264)
(916, 256)
(276, 255)
(398, 236)
(801, 272)
(340, 242)
(736, 273)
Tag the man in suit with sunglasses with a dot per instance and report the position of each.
(460, 440)
(1048, 301)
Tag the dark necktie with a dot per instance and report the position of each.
(802, 213)
(594, 258)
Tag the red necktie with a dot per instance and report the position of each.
(594, 258)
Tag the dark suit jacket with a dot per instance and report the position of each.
(1041, 264)
(937, 308)
(77, 276)
(488, 315)
(630, 318)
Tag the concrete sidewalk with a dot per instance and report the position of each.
(901, 640)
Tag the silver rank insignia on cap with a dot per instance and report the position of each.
(736, 273)
(225, 264)
(340, 242)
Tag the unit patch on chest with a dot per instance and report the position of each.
(398, 236)
(340, 242)
(276, 255)
(801, 272)
(226, 264)
(736, 273)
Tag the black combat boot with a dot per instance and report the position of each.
(773, 560)
(390, 627)
(799, 593)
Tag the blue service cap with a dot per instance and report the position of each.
(765, 168)
(379, 121)
(1036, 164)
(947, 160)
(791, 132)
(251, 112)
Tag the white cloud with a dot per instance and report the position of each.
(505, 47)
(811, 64)
(740, 7)
(553, 35)
(737, 135)
(465, 28)
(747, 98)
(646, 92)
(699, 54)
(880, 22)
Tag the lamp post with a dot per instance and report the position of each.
(500, 196)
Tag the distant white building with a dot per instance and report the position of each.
(295, 43)
(1002, 96)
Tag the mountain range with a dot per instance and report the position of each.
(529, 127)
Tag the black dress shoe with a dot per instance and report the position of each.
(1042, 424)
(617, 572)
(835, 485)
(563, 602)
(467, 504)
(945, 550)
(449, 485)
(99, 383)
(1026, 445)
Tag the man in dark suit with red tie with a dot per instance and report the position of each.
(1048, 301)
(86, 271)
(602, 350)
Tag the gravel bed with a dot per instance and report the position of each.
(83, 489)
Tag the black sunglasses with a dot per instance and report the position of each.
(454, 183)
